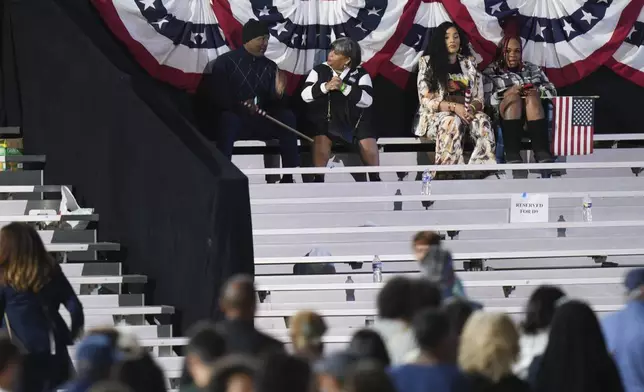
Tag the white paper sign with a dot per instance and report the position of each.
(529, 208)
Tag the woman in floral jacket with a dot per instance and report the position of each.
(450, 90)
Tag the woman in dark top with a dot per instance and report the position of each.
(33, 288)
(576, 358)
(339, 93)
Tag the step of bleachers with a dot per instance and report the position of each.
(99, 283)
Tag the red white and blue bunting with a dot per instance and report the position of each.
(174, 40)
(628, 60)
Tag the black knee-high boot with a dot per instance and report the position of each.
(538, 130)
(512, 134)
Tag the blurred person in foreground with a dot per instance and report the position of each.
(367, 344)
(436, 263)
(281, 372)
(96, 354)
(535, 329)
(10, 360)
(235, 373)
(138, 369)
(333, 371)
(306, 331)
(488, 349)
(368, 376)
(205, 347)
(109, 386)
(32, 289)
(434, 369)
(238, 302)
(576, 358)
(395, 311)
(624, 332)
(246, 77)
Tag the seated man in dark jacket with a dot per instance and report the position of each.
(238, 303)
(246, 76)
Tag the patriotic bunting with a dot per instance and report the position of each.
(628, 60)
(174, 40)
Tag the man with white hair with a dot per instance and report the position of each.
(624, 332)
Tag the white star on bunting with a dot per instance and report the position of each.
(359, 26)
(280, 27)
(633, 30)
(495, 8)
(588, 17)
(568, 28)
(160, 22)
(148, 4)
(373, 11)
(264, 11)
(539, 30)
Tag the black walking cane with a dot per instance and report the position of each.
(277, 122)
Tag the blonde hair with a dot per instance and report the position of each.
(489, 345)
(307, 329)
(24, 261)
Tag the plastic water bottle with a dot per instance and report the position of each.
(376, 265)
(561, 232)
(426, 190)
(587, 209)
(351, 294)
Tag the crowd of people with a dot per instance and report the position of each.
(455, 99)
(428, 336)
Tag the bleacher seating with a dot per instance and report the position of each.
(500, 263)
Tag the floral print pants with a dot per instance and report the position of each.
(449, 135)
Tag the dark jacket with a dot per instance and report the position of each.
(35, 317)
(509, 383)
(238, 76)
(242, 338)
(347, 109)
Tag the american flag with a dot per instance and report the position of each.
(574, 126)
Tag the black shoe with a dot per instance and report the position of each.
(287, 179)
(544, 157)
(538, 130)
(512, 135)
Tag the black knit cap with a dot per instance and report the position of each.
(253, 29)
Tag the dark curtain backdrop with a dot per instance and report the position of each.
(180, 210)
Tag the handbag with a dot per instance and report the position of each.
(14, 339)
(345, 134)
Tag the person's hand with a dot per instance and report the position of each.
(533, 92)
(280, 82)
(462, 112)
(452, 86)
(514, 90)
(334, 84)
(252, 108)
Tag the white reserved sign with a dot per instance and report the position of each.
(529, 208)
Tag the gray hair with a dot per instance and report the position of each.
(350, 48)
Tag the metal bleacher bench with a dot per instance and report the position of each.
(385, 141)
(482, 283)
(437, 197)
(445, 168)
(442, 228)
(456, 256)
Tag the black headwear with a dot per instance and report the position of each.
(253, 29)
(576, 358)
